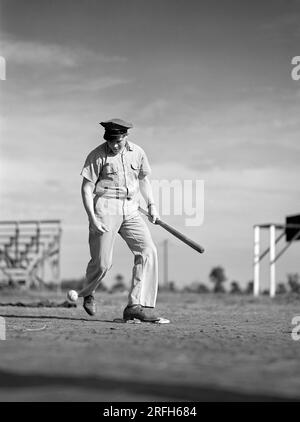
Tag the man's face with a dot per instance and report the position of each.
(117, 144)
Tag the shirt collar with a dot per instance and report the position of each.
(129, 146)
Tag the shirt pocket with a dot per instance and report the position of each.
(110, 175)
(110, 168)
(135, 169)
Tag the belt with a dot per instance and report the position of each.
(128, 198)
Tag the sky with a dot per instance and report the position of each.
(208, 88)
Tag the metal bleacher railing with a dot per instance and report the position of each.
(26, 248)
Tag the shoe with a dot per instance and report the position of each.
(139, 312)
(89, 305)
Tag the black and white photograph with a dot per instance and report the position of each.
(149, 204)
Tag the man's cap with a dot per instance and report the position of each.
(116, 127)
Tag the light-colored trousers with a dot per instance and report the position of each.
(135, 232)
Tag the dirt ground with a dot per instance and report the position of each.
(216, 348)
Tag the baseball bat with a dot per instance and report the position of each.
(176, 233)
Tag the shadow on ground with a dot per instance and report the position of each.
(10, 380)
(55, 317)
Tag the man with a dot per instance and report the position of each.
(114, 174)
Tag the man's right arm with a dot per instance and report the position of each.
(87, 189)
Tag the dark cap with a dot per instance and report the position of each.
(116, 127)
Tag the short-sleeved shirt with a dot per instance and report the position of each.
(116, 176)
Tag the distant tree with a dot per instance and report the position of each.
(293, 282)
(266, 292)
(281, 289)
(218, 277)
(78, 284)
(235, 288)
(102, 288)
(249, 288)
(73, 283)
(202, 288)
(119, 285)
(169, 287)
(172, 286)
(196, 287)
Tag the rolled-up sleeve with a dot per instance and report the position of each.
(145, 169)
(91, 169)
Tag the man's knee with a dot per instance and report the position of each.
(150, 250)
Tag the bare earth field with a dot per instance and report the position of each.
(217, 348)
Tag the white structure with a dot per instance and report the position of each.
(271, 250)
(28, 249)
(2, 69)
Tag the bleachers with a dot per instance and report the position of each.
(25, 247)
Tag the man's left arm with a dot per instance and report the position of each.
(147, 193)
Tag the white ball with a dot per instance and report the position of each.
(72, 295)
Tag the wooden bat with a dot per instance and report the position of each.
(176, 233)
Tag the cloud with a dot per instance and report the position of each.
(282, 28)
(56, 73)
(36, 53)
(61, 86)
(153, 110)
(73, 85)
(264, 180)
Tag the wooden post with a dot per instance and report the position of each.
(17, 244)
(272, 261)
(166, 264)
(38, 232)
(256, 261)
(59, 256)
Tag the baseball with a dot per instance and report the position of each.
(72, 295)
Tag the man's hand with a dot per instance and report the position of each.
(146, 191)
(153, 214)
(87, 188)
(98, 227)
